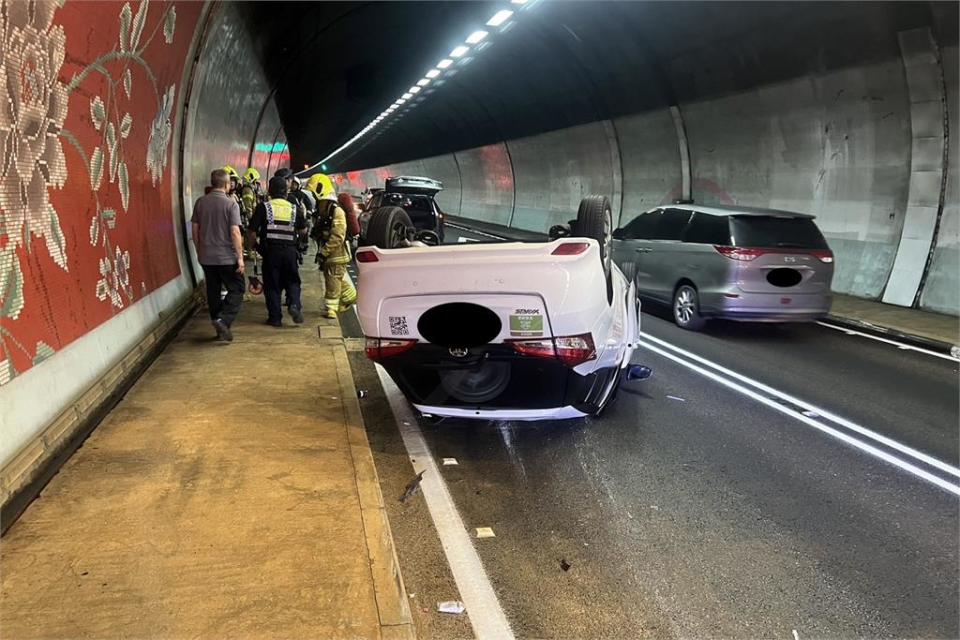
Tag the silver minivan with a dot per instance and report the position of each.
(737, 263)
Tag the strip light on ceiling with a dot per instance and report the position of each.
(384, 120)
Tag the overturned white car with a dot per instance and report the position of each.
(502, 331)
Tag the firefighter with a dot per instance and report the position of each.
(249, 197)
(330, 233)
(275, 229)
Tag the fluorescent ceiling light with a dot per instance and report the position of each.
(476, 36)
(406, 96)
(459, 51)
(518, 1)
(433, 73)
(499, 18)
(414, 90)
(424, 82)
(400, 101)
(443, 64)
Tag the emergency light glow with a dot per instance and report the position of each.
(459, 51)
(443, 64)
(499, 18)
(476, 36)
(433, 73)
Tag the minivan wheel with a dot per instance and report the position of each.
(388, 228)
(686, 308)
(595, 220)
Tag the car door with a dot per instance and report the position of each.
(664, 259)
(630, 244)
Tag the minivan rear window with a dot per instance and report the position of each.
(772, 231)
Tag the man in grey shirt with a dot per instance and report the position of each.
(216, 235)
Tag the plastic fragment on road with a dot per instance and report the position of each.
(413, 487)
(361, 393)
(448, 462)
(678, 399)
(564, 564)
(485, 532)
(811, 414)
(796, 636)
(451, 606)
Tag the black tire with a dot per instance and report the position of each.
(686, 308)
(595, 220)
(388, 227)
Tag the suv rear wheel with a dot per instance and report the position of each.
(388, 227)
(686, 308)
(595, 220)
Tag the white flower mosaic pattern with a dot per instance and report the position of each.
(114, 280)
(31, 120)
(160, 132)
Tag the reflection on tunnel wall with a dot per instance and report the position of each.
(86, 229)
(841, 151)
(235, 119)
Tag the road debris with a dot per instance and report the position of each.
(361, 393)
(451, 606)
(485, 532)
(413, 487)
(564, 564)
(676, 398)
(796, 636)
(811, 414)
(448, 462)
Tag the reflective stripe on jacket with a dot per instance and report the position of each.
(281, 222)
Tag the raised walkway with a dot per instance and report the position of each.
(230, 494)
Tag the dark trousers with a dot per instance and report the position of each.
(281, 272)
(217, 277)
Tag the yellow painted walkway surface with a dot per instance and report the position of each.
(230, 494)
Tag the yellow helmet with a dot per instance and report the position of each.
(252, 175)
(231, 171)
(322, 186)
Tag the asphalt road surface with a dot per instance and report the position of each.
(767, 481)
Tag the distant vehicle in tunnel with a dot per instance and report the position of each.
(502, 330)
(737, 263)
(416, 196)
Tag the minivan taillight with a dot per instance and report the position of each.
(570, 350)
(367, 256)
(379, 348)
(743, 254)
(825, 255)
(571, 248)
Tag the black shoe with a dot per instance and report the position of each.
(223, 331)
(296, 314)
(275, 323)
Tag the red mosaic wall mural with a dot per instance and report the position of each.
(86, 121)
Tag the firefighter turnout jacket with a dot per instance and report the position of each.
(330, 232)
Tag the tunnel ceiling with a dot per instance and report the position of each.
(336, 66)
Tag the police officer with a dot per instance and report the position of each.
(330, 232)
(275, 229)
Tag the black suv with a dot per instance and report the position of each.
(416, 196)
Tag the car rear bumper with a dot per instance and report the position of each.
(557, 413)
(766, 307)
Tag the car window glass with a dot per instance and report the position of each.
(641, 227)
(708, 229)
(671, 224)
(771, 231)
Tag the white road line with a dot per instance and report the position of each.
(900, 345)
(479, 233)
(776, 406)
(807, 406)
(483, 608)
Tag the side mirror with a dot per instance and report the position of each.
(559, 231)
(638, 372)
(619, 234)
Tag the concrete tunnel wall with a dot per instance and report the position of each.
(94, 257)
(842, 145)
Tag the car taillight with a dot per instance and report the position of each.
(377, 349)
(825, 255)
(570, 350)
(367, 256)
(571, 248)
(739, 253)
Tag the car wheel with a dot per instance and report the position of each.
(686, 308)
(595, 220)
(476, 386)
(388, 228)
